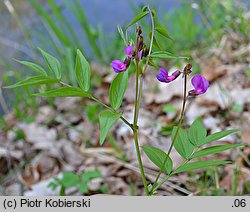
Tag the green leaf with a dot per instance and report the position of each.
(86, 177)
(117, 89)
(238, 108)
(181, 143)
(167, 55)
(151, 63)
(53, 64)
(65, 92)
(82, 71)
(83, 187)
(214, 150)
(144, 8)
(106, 120)
(163, 31)
(197, 133)
(70, 179)
(119, 28)
(169, 108)
(137, 18)
(37, 80)
(198, 165)
(218, 135)
(53, 185)
(89, 175)
(35, 67)
(158, 156)
(92, 110)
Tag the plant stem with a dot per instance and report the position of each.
(140, 161)
(65, 84)
(138, 94)
(111, 109)
(151, 40)
(135, 130)
(178, 128)
(104, 105)
(167, 177)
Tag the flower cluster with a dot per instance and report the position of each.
(120, 66)
(132, 52)
(140, 50)
(198, 81)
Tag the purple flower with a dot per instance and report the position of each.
(164, 77)
(200, 85)
(118, 66)
(129, 50)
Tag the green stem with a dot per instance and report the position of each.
(140, 161)
(104, 105)
(111, 109)
(148, 57)
(167, 177)
(135, 131)
(138, 94)
(65, 84)
(175, 136)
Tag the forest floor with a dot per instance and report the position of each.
(65, 136)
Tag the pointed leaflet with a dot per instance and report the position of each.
(37, 80)
(117, 89)
(218, 135)
(182, 144)
(200, 164)
(214, 150)
(163, 31)
(167, 55)
(53, 64)
(69, 179)
(64, 92)
(86, 177)
(197, 133)
(158, 156)
(119, 28)
(107, 120)
(82, 71)
(137, 18)
(35, 67)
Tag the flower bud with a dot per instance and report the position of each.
(145, 8)
(187, 69)
(141, 43)
(127, 61)
(139, 30)
(145, 52)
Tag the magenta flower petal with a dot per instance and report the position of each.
(163, 71)
(164, 77)
(161, 77)
(129, 50)
(118, 66)
(139, 54)
(200, 85)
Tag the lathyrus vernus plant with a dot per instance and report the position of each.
(188, 143)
